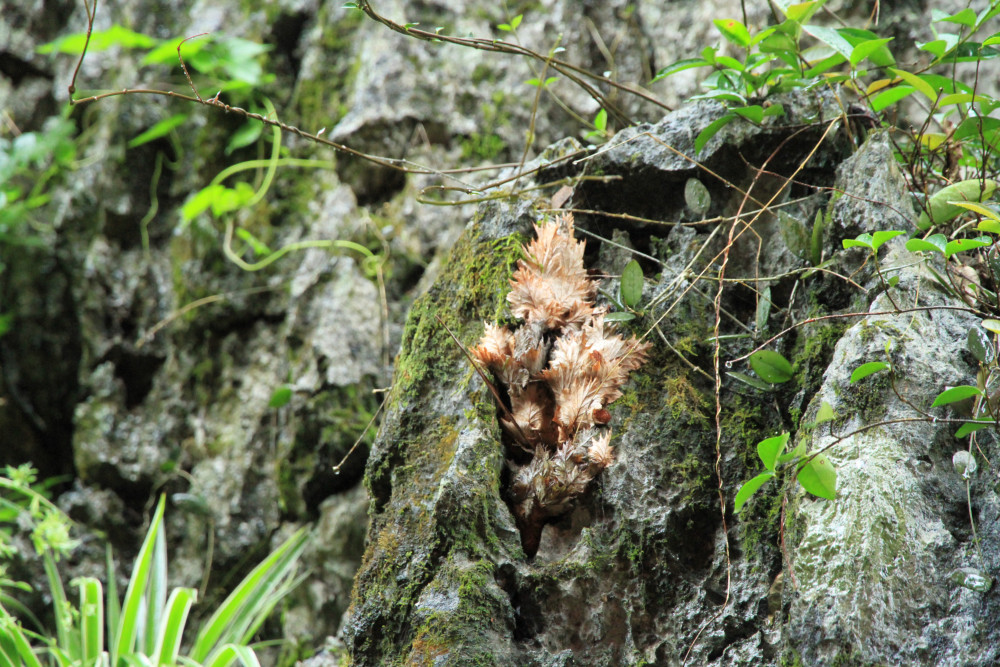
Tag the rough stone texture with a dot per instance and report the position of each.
(138, 371)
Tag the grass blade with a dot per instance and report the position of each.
(246, 606)
(128, 625)
(168, 636)
(91, 620)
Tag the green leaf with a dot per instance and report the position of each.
(991, 325)
(711, 130)
(966, 17)
(168, 638)
(945, 204)
(747, 379)
(831, 38)
(534, 81)
(889, 97)
(867, 48)
(878, 238)
(862, 241)
(750, 488)
(962, 245)
(601, 120)
(825, 413)
(158, 130)
(619, 317)
(819, 477)
(971, 427)
(124, 637)
(933, 243)
(100, 40)
(280, 397)
(680, 66)
(239, 616)
(981, 346)
(512, 26)
(734, 31)
(770, 449)
(91, 619)
(771, 366)
(956, 394)
(754, 113)
(247, 134)
(763, 309)
(917, 82)
(697, 197)
(864, 370)
(631, 284)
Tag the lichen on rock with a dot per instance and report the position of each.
(558, 372)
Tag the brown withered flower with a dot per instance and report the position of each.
(561, 369)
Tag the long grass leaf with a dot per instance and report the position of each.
(113, 607)
(239, 611)
(168, 636)
(91, 620)
(16, 649)
(155, 594)
(128, 626)
(61, 606)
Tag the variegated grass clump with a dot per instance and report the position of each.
(561, 369)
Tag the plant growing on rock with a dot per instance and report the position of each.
(560, 370)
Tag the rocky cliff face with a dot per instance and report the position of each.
(141, 360)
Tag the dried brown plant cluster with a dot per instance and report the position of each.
(561, 369)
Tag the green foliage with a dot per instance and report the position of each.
(147, 625)
(814, 472)
(771, 367)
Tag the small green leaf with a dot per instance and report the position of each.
(866, 48)
(887, 98)
(933, 243)
(861, 241)
(831, 38)
(711, 130)
(734, 31)
(819, 477)
(991, 325)
(601, 120)
(962, 245)
(631, 284)
(971, 427)
(750, 488)
(878, 238)
(771, 366)
(917, 82)
(956, 394)
(770, 449)
(864, 370)
(697, 197)
(763, 309)
(947, 203)
(158, 130)
(825, 413)
(680, 66)
(754, 113)
(247, 134)
(966, 17)
(534, 81)
(100, 40)
(816, 240)
(981, 346)
(746, 379)
(280, 397)
(619, 317)
(798, 451)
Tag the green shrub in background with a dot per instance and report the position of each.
(147, 625)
